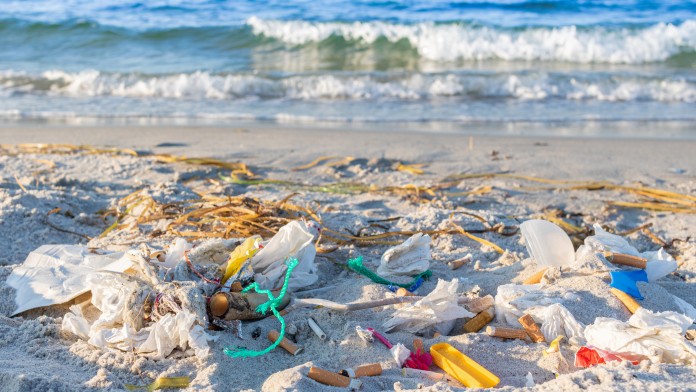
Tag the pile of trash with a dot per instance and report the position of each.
(154, 303)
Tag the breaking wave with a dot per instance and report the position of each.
(457, 41)
(342, 86)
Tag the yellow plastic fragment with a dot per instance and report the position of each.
(239, 255)
(462, 368)
(161, 383)
(554, 346)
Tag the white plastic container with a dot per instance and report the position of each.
(547, 243)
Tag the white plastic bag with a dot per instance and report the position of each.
(658, 336)
(110, 293)
(559, 321)
(439, 306)
(411, 257)
(293, 240)
(512, 301)
(55, 274)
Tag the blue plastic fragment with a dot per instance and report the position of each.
(626, 281)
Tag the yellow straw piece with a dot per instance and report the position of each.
(239, 255)
(555, 346)
(161, 383)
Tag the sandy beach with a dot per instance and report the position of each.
(36, 355)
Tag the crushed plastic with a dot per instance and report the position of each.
(440, 306)
(294, 240)
(412, 257)
(55, 274)
(558, 321)
(658, 336)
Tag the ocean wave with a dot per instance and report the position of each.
(339, 86)
(455, 41)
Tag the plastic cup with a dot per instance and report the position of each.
(547, 243)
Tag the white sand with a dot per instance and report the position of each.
(35, 356)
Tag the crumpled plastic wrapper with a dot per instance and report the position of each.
(411, 257)
(658, 336)
(512, 301)
(558, 321)
(120, 284)
(293, 240)
(440, 306)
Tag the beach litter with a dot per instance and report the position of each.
(409, 258)
(155, 304)
(461, 367)
(436, 310)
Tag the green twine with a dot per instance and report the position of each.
(272, 304)
(356, 265)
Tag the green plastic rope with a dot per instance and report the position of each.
(272, 304)
(356, 265)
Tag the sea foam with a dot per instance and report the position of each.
(358, 86)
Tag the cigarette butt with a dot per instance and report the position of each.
(479, 321)
(436, 335)
(478, 305)
(536, 278)
(418, 345)
(626, 299)
(373, 369)
(532, 329)
(456, 264)
(333, 379)
(284, 312)
(691, 334)
(218, 304)
(506, 333)
(402, 292)
(285, 343)
(315, 327)
(627, 260)
(236, 287)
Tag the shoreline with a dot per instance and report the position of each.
(583, 130)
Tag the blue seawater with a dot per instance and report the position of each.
(339, 61)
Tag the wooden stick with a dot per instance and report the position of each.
(532, 329)
(536, 278)
(480, 321)
(626, 299)
(298, 303)
(506, 333)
